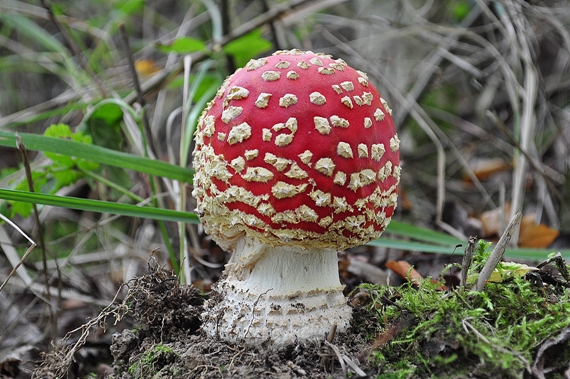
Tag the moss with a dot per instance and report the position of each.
(460, 333)
(151, 362)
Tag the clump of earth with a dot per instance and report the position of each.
(169, 343)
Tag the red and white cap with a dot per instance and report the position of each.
(297, 149)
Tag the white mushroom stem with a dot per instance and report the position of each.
(281, 295)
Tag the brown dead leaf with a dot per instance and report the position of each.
(484, 168)
(146, 67)
(404, 200)
(494, 220)
(407, 271)
(404, 270)
(531, 234)
(535, 235)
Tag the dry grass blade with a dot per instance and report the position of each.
(12, 254)
(357, 370)
(336, 350)
(518, 25)
(466, 261)
(149, 140)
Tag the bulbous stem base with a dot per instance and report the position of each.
(277, 295)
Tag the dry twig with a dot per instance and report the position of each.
(498, 252)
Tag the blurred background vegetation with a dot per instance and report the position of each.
(99, 101)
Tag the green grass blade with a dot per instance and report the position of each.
(429, 241)
(414, 246)
(99, 206)
(98, 154)
(534, 254)
(510, 254)
(421, 234)
(33, 31)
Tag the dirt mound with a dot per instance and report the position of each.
(169, 343)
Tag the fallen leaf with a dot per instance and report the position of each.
(484, 168)
(404, 270)
(404, 200)
(407, 271)
(494, 221)
(531, 234)
(535, 235)
(146, 67)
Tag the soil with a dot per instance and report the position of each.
(167, 341)
(170, 344)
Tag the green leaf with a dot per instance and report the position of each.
(109, 113)
(59, 130)
(87, 165)
(104, 126)
(461, 10)
(183, 45)
(98, 154)
(64, 167)
(99, 206)
(66, 178)
(247, 47)
(64, 132)
(39, 178)
(129, 7)
(20, 208)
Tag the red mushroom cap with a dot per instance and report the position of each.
(297, 149)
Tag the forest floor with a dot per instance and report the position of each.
(409, 331)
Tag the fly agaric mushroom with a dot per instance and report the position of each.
(296, 157)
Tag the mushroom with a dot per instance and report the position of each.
(296, 157)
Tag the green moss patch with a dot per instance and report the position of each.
(503, 331)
